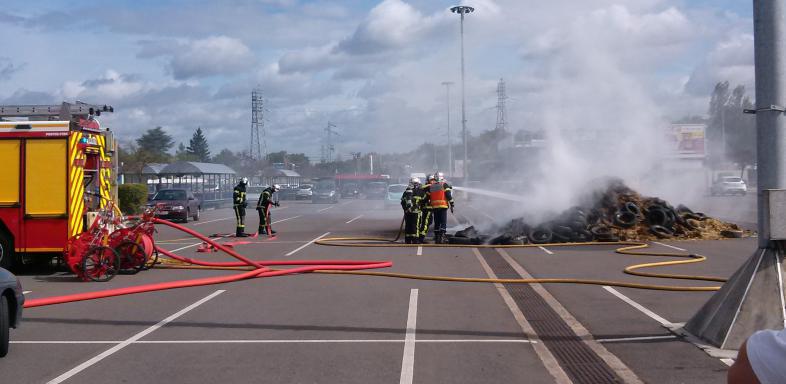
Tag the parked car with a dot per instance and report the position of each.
(176, 204)
(11, 302)
(376, 190)
(350, 191)
(728, 185)
(325, 191)
(287, 192)
(304, 192)
(393, 198)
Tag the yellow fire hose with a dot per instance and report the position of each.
(628, 248)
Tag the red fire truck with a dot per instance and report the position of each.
(56, 170)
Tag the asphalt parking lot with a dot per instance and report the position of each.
(315, 328)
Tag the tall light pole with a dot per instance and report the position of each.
(447, 85)
(462, 10)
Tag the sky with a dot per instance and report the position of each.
(373, 68)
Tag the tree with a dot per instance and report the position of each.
(198, 147)
(731, 135)
(181, 154)
(157, 143)
(227, 157)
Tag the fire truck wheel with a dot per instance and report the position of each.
(5, 323)
(100, 263)
(7, 256)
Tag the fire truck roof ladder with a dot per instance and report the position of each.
(64, 111)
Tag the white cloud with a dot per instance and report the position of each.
(211, 56)
(730, 60)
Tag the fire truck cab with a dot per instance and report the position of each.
(56, 168)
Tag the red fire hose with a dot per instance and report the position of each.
(261, 270)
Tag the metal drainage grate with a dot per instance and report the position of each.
(579, 361)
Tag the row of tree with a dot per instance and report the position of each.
(155, 146)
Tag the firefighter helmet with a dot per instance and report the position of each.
(244, 181)
(414, 181)
(276, 187)
(431, 177)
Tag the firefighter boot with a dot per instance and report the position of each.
(438, 238)
(421, 240)
(239, 232)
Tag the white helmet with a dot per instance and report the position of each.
(414, 180)
(431, 177)
(244, 181)
(276, 187)
(440, 176)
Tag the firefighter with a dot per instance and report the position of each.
(410, 202)
(263, 208)
(440, 199)
(239, 204)
(426, 216)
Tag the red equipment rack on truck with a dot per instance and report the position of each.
(57, 170)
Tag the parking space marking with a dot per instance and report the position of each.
(287, 219)
(349, 222)
(280, 341)
(641, 308)
(408, 360)
(642, 338)
(670, 246)
(658, 318)
(544, 354)
(191, 245)
(420, 251)
(617, 365)
(307, 244)
(213, 221)
(325, 209)
(546, 250)
(132, 339)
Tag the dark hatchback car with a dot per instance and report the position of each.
(324, 191)
(377, 190)
(11, 302)
(176, 204)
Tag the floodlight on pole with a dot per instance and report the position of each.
(462, 10)
(447, 85)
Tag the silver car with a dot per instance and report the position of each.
(11, 302)
(728, 185)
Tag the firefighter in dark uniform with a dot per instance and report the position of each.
(239, 204)
(426, 211)
(410, 202)
(440, 199)
(263, 208)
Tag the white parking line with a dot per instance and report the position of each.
(213, 221)
(420, 251)
(348, 222)
(279, 341)
(287, 219)
(26, 292)
(642, 338)
(131, 340)
(408, 361)
(325, 209)
(670, 246)
(307, 244)
(546, 250)
(638, 306)
(191, 245)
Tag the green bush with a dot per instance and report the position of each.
(132, 198)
